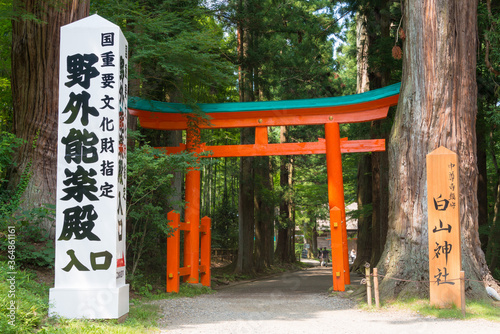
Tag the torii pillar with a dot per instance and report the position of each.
(192, 210)
(340, 260)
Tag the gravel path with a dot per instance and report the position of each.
(297, 303)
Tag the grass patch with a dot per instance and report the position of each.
(185, 290)
(31, 313)
(480, 309)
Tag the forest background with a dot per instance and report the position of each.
(226, 51)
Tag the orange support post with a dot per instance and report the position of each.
(173, 253)
(261, 135)
(205, 245)
(337, 249)
(192, 213)
(336, 191)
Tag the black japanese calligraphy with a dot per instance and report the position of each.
(107, 145)
(80, 69)
(103, 264)
(441, 228)
(107, 190)
(107, 124)
(80, 183)
(100, 266)
(107, 80)
(107, 168)
(74, 262)
(80, 146)
(121, 95)
(121, 171)
(441, 204)
(122, 68)
(107, 59)
(107, 100)
(108, 39)
(451, 176)
(79, 222)
(77, 102)
(445, 249)
(441, 277)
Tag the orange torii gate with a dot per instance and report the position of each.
(363, 107)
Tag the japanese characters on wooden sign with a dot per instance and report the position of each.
(91, 175)
(444, 228)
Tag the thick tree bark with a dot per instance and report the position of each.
(246, 220)
(437, 107)
(362, 45)
(284, 241)
(379, 77)
(264, 217)
(35, 86)
(364, 199)
(364, 178)
(380, 194)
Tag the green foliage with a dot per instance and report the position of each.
(8, 144)
(5, 70)
(30, 298)
(32, 244)
(299, 247)
(149, 188)
(488, 121)
(175, 47)
(225, 227)
(219, 199)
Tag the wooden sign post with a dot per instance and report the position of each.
(443, 204)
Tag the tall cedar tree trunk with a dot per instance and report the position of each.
(437, 107)
(364, 179)
(35, 86)
(362, 82)
(284, 241)
(264, 217)
(364, 198)
(246, 221)
(379, 129)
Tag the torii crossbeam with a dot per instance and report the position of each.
(363, 107)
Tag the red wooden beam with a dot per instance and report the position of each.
(346, 146)
(358, 113)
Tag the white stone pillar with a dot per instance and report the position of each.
(91, 172)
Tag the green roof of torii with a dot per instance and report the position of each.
(179, 108)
